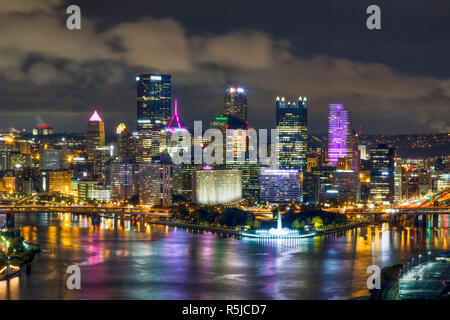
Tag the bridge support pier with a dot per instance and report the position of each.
(10, 221)
(435, 221)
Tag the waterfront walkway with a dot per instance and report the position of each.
(429, 280)
(196, 227)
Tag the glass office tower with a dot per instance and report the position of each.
(340, 135)
(291, 122)
(382, 174)
(153, 112)
(236, 102)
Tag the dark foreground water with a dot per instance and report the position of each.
(134, 261)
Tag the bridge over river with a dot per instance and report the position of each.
(56, 202)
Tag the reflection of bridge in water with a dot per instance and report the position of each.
(56, 202)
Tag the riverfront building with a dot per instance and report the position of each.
(155, 184)
(124, 180)
(280, 186)
(59, 181)
(216, 186)
(382, 174)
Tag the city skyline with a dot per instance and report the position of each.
(224, 150)
(346, 65)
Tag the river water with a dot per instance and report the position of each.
(127, 260)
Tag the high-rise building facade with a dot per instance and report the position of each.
(155, 184)
(363, 152)
(236, 102)
(154, 98)
(124, 180)
(346, 182)
(234, 133)
(340, 134)
(95, 136)
(51, 159)
(291, 123)
(280, 186)
(382, 174)
(216, 186)
(127, 143)
(59, 181)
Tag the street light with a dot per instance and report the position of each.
(420, 256)
(429, 253)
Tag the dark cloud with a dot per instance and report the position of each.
(59, 75)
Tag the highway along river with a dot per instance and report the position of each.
(130, 260)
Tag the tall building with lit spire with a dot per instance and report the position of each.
(175, 126)
(291, 123)
(95, 135)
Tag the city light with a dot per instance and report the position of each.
(212, 175)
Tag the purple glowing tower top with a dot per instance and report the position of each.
(339, 128)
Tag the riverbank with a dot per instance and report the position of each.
(196, 227)
(237, 233)
(347, 227)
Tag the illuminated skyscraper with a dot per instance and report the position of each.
(236, 142)
(95, 137)
(124, 180)
(291, 123)
(153, 112)
(153, 98)
(362, 152)
(382, 174)
(175, 126)
(155, 184)
(216, 186)
(59, 181)
(346, 182)
(236, 102)
(280, 186)
(340, 135)
(125, 150)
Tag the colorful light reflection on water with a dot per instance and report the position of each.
(126, 260)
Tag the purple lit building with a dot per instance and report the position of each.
(339, 134)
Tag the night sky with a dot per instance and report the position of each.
(394, 80)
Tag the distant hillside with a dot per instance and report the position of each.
(407, 146)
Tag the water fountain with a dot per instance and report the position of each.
(277, 233)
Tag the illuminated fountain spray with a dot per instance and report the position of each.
(277, 233)
(279, 225)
